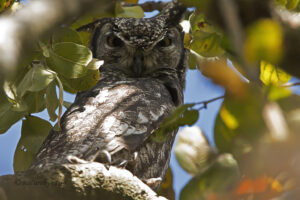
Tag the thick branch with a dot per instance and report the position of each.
(75, 181)
(39, 17)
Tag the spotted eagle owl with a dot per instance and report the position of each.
(141, 83)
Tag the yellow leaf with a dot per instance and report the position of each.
(230, 121)
(264, 41)
(271, 75)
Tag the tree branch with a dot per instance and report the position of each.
(75, 181)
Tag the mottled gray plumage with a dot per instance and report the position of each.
(141, 83)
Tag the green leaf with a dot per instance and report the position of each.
(84, 83)
(35, 101)
(36, 79)
(189, 117)
(8, 118)
(69, 59)
(67, 104)
(129, 12)
(44, 49)
(207, 44)
(34, 131)
(218, 179)
(180, 116)
(66, 35)
(239, 123)
(51, 101)
(269, 74)
(292, 4)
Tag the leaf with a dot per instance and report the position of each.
(261, 184)
(8, 118)
(239, 122)
(180, 116)
(206, 40)
(35, 101)
(216, 180)
(269, 74)
(51, 101)
(129, 12)
(189, 117)
(69, 59)
(264, 41)
(67, 104)
(34, 131)
(207, 44)
(222, 74)
(64, 34)
(276, 92)
(36, 79)
(292, 4)
(84, 83)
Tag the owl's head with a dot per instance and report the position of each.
(148, 47)
(139, 47)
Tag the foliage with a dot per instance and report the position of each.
(256, 131)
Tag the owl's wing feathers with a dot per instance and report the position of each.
(113, 116)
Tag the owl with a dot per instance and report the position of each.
(141, 83)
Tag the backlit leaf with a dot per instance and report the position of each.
(131, 11)
(66, 35)
(70, 59)
(239, 122)
(51, 101)
(269, 74)
(36, 79)
(8, 118)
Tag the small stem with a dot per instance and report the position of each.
(209, 101)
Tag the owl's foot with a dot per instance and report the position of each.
(152, 182)
(76, 160)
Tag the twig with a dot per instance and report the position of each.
(291, 84)
(205, 103)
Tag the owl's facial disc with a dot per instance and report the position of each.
(138, 66)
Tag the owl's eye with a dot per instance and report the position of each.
(114, 41)
(165, 42)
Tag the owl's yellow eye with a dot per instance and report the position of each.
(114, 41)
(165, 42)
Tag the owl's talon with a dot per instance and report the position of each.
(135, 155)
(152, 182)
(123, 163)
(107, 155)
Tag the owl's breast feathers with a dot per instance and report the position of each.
(115, 116)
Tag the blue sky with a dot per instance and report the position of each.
(198, 88)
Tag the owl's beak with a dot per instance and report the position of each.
(138, 66)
